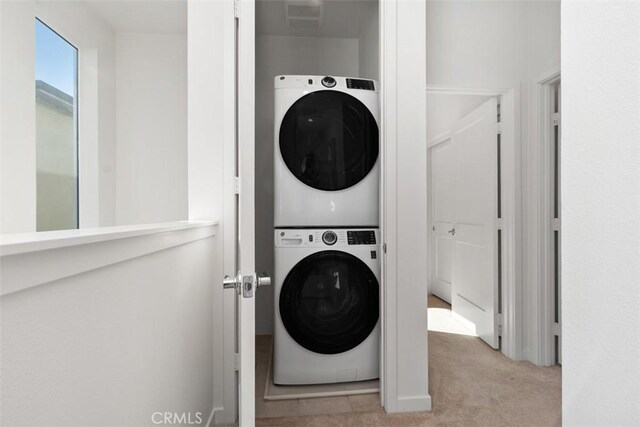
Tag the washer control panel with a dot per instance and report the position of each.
(324, 238)
(360, 84)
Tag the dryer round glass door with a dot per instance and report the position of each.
(329, 140)
(329, 302)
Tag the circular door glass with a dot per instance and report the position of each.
(329, 140)
(329, 302)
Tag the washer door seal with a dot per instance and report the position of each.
(329, 302)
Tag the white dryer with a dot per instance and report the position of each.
(327, 305)
(326, 159)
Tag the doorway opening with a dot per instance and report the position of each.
(304, 142)
(471, 216)
(464, 183)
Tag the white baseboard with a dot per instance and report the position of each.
(412, 404)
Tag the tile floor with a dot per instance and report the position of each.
(307, 406)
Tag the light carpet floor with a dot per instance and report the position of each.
(470, 385)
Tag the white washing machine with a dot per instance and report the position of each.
(326, 160)
(327, 305)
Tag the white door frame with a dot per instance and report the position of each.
(403, 221)
(512, 309)
(544, 253)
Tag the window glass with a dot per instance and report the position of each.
(56, 131)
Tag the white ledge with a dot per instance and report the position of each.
(19, 243)
(32, 259)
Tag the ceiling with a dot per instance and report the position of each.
(341, 18)
(443, 110)
(142, 16)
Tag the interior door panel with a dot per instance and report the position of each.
(443, 158)
(475, 278)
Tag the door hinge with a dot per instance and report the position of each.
(384, 248)
(555, 329)
(236, 9)
(499, 322)
(499, 224)
(556, 119)
(555, 223)
(236, 361)
(236, 185)
(499, 128)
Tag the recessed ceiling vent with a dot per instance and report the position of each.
(303, 13)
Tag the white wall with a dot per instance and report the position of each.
(369, 42)
(112, 345)
(17, 135)
(151, 128)
(444, 110)
(475, 44)
(284, 55)
(600, 212)
(78, 24)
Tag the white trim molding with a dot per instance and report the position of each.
(404, 358)
(453, 90)
(541, 345)
(511, 207)
(61, 254)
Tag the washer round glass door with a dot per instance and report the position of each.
(329, 140)
(329, 302)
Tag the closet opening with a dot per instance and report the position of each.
(317, 160)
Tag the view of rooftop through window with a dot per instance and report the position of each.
(56, 131)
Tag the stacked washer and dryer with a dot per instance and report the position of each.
(327, 251)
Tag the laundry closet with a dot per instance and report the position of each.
(317, 166)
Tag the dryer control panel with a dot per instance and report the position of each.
(324, 82)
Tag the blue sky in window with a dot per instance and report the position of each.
(55, 60)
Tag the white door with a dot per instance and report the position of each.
(244, 281)
(443, 186)
(475, 277)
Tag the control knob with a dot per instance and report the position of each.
(328, 81)
(329, 238)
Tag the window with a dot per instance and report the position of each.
(56, 131)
